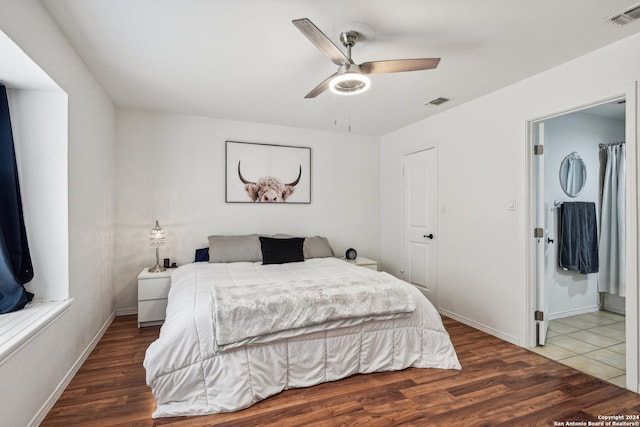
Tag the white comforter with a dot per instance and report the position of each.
(189, 375)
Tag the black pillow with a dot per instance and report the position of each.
(281, 251)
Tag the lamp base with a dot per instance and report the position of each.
(156, 269)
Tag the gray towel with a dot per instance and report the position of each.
(578, 237)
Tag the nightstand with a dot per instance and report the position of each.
(364, 262)
(153, 290)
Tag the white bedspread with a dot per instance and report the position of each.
(190, 376)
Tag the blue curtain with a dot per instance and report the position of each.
(15, 260)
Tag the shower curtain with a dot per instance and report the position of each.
(611, 277)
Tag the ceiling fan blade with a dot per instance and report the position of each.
(321, 87)
(399, 65)
(321, 41)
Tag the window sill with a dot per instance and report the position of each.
(20, 327)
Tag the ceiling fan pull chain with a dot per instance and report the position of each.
(349, 113)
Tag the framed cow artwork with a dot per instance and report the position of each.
(267, 173)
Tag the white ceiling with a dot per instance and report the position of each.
(244, 60)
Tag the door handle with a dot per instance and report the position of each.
(428, 236)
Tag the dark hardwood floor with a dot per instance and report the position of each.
(499, 384)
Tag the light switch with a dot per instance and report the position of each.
(512, 205)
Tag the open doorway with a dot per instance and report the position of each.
(581, 317)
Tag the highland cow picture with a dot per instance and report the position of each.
(267, 173)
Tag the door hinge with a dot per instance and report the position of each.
(538, 149)
(538, 315)
(538, 233)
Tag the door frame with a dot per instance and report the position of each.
(537, 136)
(632, 301)
(403, 154)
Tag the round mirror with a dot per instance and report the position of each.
(573, 175)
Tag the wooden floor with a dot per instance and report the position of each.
(500, 384)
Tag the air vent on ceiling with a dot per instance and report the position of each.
(437, 101)
(626, 16)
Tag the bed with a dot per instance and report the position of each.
(226, 343)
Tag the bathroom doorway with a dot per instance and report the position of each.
(579, 321)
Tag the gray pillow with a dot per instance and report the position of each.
(235, 248)
(317, 247)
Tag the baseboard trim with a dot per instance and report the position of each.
(615, 310)
(46, 407)
(573, 312)
(126, 311)
(484, 328)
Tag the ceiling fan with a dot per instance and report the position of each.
(351, 78)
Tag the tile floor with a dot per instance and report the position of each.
(593, 343)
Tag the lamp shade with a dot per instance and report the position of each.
(157, 236)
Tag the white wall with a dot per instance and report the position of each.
(483, 265)
(172, 168)
(32, 376)
(37, 117)
(570, 292)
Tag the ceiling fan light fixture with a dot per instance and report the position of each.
(351, 78)
(349, 83)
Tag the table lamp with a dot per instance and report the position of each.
(157, 239)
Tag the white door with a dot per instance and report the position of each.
(542, 303)
(419, 252)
